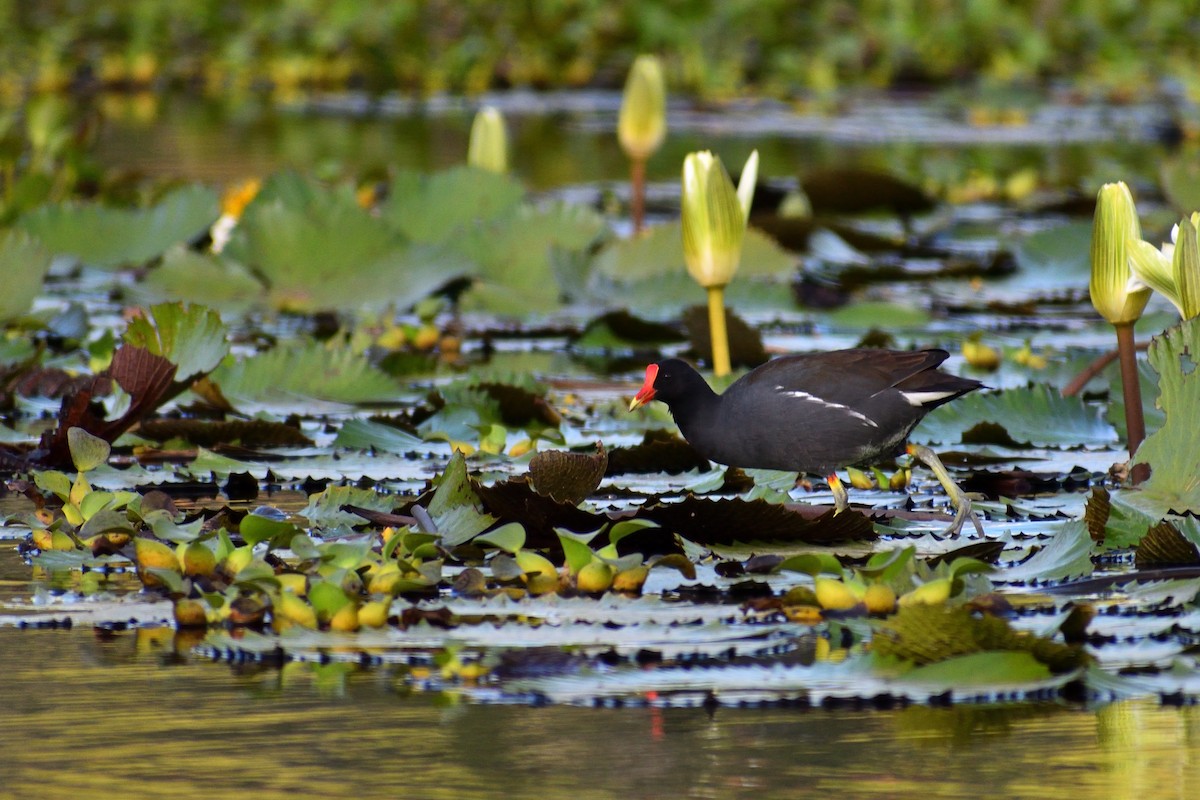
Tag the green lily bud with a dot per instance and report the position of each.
(1173, 271)
(1116, 293)
(642, 124)
(714, 217)
(488, 147)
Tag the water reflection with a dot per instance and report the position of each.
(123, 715)
(224, 141)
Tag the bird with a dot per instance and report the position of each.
(814, 413)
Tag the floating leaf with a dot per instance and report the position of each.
(1035, 415)
(1173, 452)
(981, 670)
(1067, 555)
(567, 477)
(437, 208)
(321, 250)
(363, 434)
(324, 509)
(455, 507)
(87, 451)
(1164, 546)
(206, 278)
(509, 537)
(191, 337)
(23, 265)
(265, 524)
(312, 370)
(110, 237)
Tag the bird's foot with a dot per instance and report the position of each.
(958, 498)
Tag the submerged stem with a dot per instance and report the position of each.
(1135, 423)
(716, 328)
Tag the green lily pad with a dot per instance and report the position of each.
(319, 249)
(436, 208)
(201, 278)
(1067, 555)
(514, 256)
(1173, 452)
(23, 263)
(336, 374)
(1036, 415)
(105, 237)
(191, 337)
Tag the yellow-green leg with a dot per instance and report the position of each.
(958, 498)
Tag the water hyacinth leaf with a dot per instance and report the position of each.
(1000, 668)
(23, 263)
(265, 524)
(191, 337)
(1036, 415)
(87, 451)
(312, 370)
(105, 237)
(1068, 554)
(509, 537)
(813, 564)
(363, 434)
(887, 564)
(106, 521)
(575, 549)
(1173, 452)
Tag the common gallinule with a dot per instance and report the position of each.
(813, 413)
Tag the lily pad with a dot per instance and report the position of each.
(1173, 452)
(1036, 415)
(23, 263)
(105, 237)
(313, 370)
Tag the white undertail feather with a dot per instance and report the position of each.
(918, 399)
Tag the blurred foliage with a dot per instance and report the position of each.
(714, 48)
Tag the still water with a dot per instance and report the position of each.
(88, 715)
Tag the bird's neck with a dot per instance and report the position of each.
(696, 413)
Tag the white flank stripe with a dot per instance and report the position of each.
(919, 399)
(814, 399)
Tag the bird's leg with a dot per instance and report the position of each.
(841, 498)
(958, 498)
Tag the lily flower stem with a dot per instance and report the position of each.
(716, 327)
(1135, 423)
(637, 201)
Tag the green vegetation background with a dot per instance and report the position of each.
(712, 47)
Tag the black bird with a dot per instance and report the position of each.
(813, 413)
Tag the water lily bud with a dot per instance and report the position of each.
(714, 222)
(642, 124)
(488, 147)
(1116, 293)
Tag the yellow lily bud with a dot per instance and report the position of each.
(488, 147)
(642, 124)
(1116, 293)
(714, 222)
